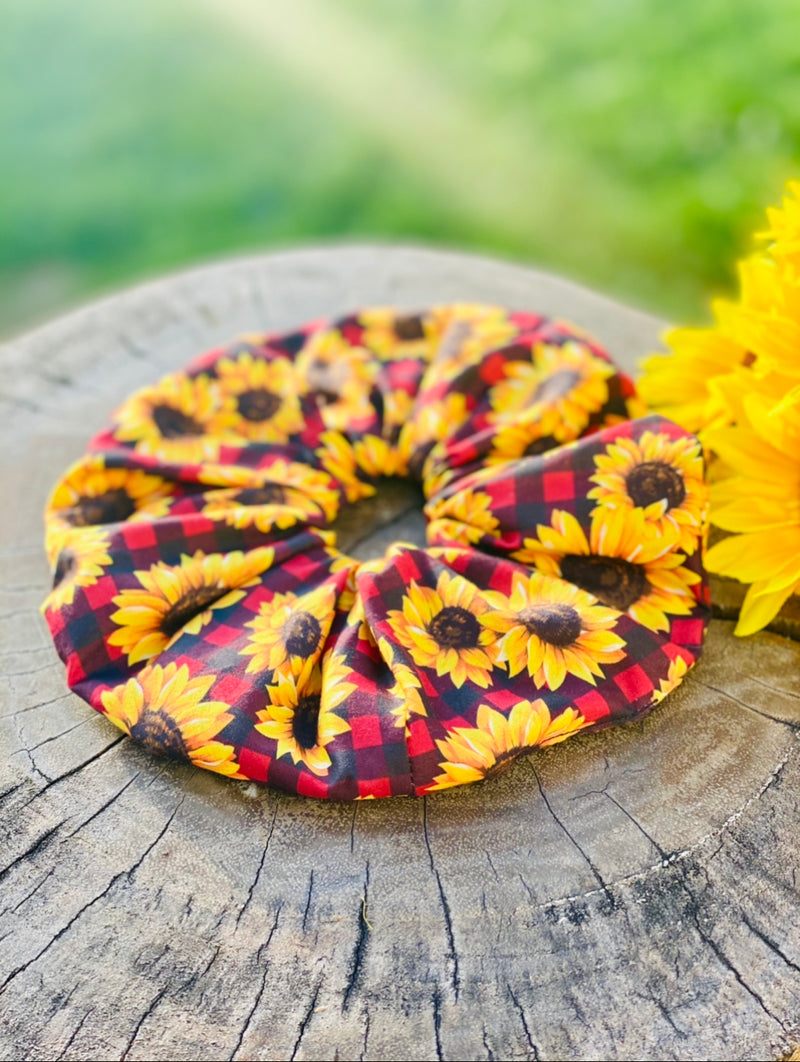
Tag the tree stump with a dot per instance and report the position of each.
(629, 894)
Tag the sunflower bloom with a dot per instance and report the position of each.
(552, 629)
(91, 494)
(468, 332)
(377, 457)
(337, 457)
(560, 388)
(473, 753)
(675, 676)
(164, 709)
(619, 564)
(80, 556)
(180, 598)
(441, 629)
(297, 477)
(760, 504)
(172, 420)
(739, 383)
(340, 376)
(289, 631)
(259, 398)
(301, 716)
(394, 336)
(661, 476)
(465, 516)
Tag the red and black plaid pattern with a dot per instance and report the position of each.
(199, 600)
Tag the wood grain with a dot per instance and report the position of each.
(630, 894)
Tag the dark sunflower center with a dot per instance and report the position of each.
(454, 628)
(258, 404)
(301, 634)
(172, 423)
(65, 567)
(557, 624)
(269, 494)
(109, 508)
(654, 480)
(557, 385)
(539, 446)
(616, 582)
(159, 734)
(306, 720)
(192, 602)
(409, 327)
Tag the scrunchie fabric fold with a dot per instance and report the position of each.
(201, 604)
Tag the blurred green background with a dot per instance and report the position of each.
(629, 144)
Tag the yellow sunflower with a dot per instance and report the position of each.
(91, 494)
(172, 420)
(681, 385)
(179, 598)
(677, 671)
(80, 556)
(560, 387)
(618, 563)
(269, 506)
(406, 686)
(259, 399)
(441, 629)
(524, 438)
(316, 485)
(739, 383)
(392, 335)
(433, 422)
(468, 332)
(473, 753)
(340, 376)
(377, 457)
(661, 476)
(552, 629)
(290, 630)
(301, 714)
(759, 501)
(465, 516)
(164, 709)
(338, 458)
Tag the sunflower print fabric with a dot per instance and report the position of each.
(200, 602)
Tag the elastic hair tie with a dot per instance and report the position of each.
(200, 603)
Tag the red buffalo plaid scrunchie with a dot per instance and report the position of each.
(200, 602)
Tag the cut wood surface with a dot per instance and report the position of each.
(626, 895)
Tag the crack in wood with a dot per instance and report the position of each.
(96, 899)
(257, 878)
(150, 1008)
(598, 876)
(749, 707)
(360, 948)
(452, 953)
(306, 1020)
(74, 770)
(437, 1022)
(263, 949)
(74, 1035)
(307, 907)
(526, 1029)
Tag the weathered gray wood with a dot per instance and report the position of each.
(630, 894)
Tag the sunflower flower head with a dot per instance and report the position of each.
(738, 384)
(473, 753)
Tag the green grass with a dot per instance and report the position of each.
(631, 145)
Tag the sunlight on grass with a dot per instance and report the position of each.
(628, 145)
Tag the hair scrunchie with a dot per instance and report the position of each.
(200, 602)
